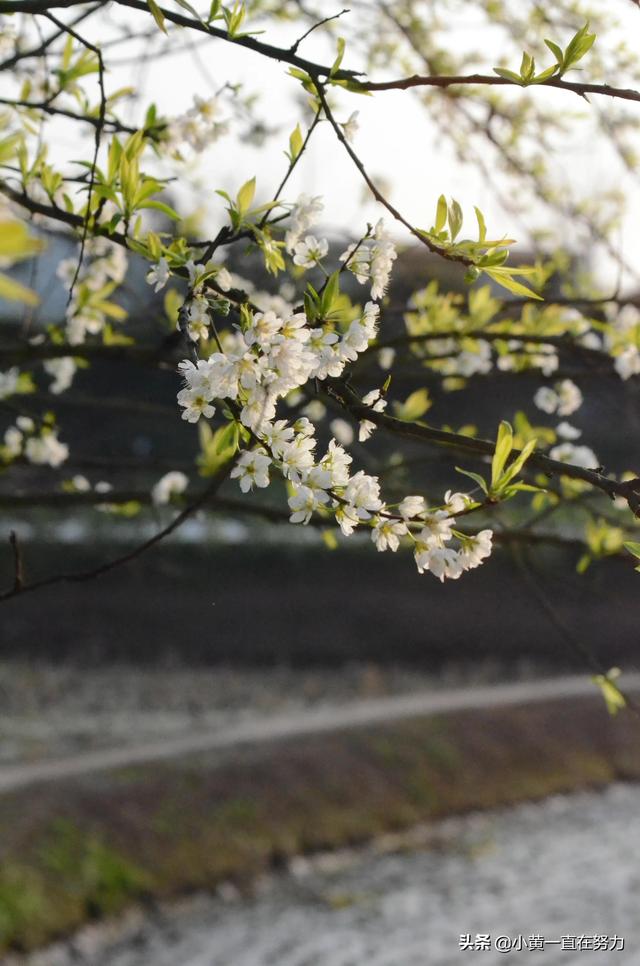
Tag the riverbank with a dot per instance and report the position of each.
(551, 875)
(90, 846)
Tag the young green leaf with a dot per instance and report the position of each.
(245, 196)
(414, 406)
(504, 445)
(157, 14)
(441, 214)
(295, 142)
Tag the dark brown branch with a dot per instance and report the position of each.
(281, 54)
(444, 81)
(83, 576)
(349, 400)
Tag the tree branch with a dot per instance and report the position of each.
(85, 575)
(349, 400)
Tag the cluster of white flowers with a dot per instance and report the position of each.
(627, 363)
(564, 398)
(80, 484)
(202, 125)
(273, 356)
(39, 445)
(521, 353)
(197, 305)
(266, 361)
(62, 371)
(466, 363)
(104, 266)
(432, 550)
(568, 452)
(372, 259)
(621, 339)
(304, 215)
(378, 405)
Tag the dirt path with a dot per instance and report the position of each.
(292, 724)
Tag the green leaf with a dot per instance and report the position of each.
(580, 44)
(527, 67)
(504, 445)
(157, 15)
(441, 214)
(556, 50)
(245, 195)
(482, 228)
(508, 75)
(480, 480)
(329, 539)
(15, 292)
(455, 218)
(217, 448)
(613, 696)
(336, 64)
(16, 242)
(632, 547)
(414, 406)
(545, 75)
(295, 142)
(160, 206)
(504, 278)
(187, 6)
(330, 294)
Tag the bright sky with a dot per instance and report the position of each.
(397, 142)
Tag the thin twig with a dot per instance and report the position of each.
(18, 567)
(97, 140)
(321, 23)
(83, 576)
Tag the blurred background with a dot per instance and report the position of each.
(248, 746)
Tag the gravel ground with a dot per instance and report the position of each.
(48, 711)
(565, 867)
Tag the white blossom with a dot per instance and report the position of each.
(252, 469)
(386, 533)
(63, 370)
(577, 455)
(566, 431)
(475, 549)
(46, 449)
(342, 431)
(627, 364)
(336, 462)
(13, 440)
(455, 502)
(563, 399)
(170, 485)
(442, 562)
(351, 127)
(412, 506)
(9, 382)
(304, 501)
(309, 252)
(378, 405)
(303, 216)
(159, 274)
(362, 494)
(436, 528)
